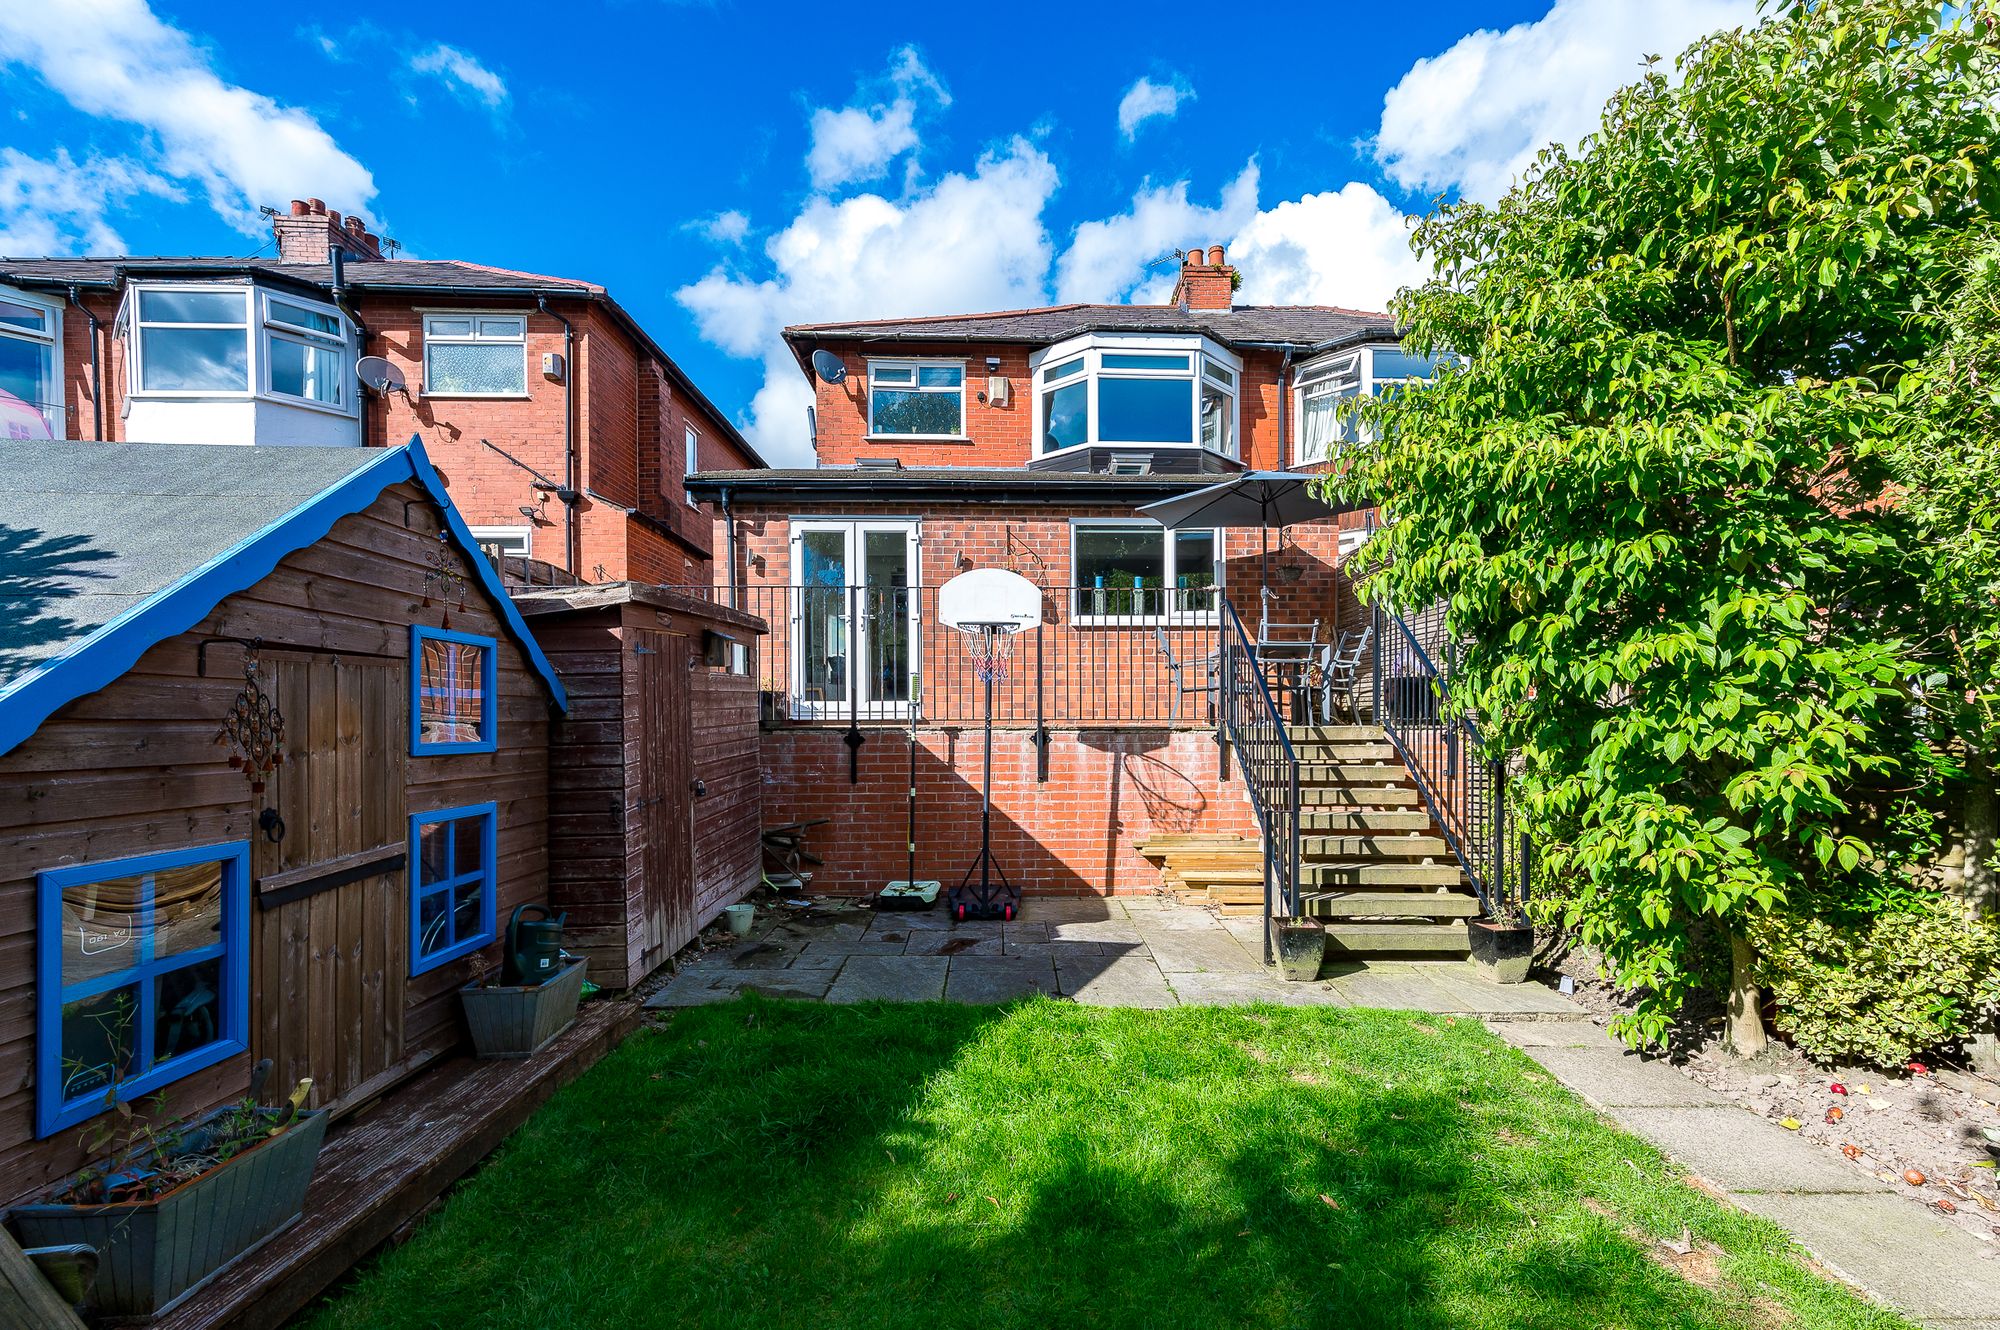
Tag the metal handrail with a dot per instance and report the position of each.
(1254, 727)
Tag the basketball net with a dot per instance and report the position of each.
(990, 645)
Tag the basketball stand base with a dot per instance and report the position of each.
(986, 899)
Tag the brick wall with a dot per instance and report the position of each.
(1072, 835)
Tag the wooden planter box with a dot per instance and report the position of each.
(152, 1254)
(514, 1022)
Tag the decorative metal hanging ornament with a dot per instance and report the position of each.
(444, 578)
(254, 729)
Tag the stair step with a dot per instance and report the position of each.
(1353, 773)
(1380, 875)
(1354, 752)
(1362, 821)
(1365, 938)
(1357, 796)
(1375, 904)
(1336, 734)
(1373, 847)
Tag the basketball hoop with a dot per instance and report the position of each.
(991, 646)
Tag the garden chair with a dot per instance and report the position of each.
(1285, 653)
(1177, 674)
(1339, 668)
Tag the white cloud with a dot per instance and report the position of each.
(725, 228)
(1347, 246)
(61, 206)
(462, 73)
(1108, 260)
(1147, 100)
(966, 242)
(858, 143)
(1473, 116)
(116, 60)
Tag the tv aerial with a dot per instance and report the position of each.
(828, 366)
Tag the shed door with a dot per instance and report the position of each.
(331, 925)
(666, 776)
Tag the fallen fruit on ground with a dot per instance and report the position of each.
(1914, 1176)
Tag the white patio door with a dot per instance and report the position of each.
(854, 618)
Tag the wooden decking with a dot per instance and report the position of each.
(381, 1167)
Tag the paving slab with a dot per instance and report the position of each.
(799, 934)
(1179, 951)
(696, 988)
(1213, 988)
(1398, 988)
(1741, 1152)
(1609, 1076)
(935, 943)
(1178, 918)
(1114, 982)
(1935, 1272)
(1551, 1034)
(890, 979)
(1094, 930)
(983, 981)
(818, 954)
(1489, 999)
(910, 921)
(1055, 950)
(1020, 932)
(1069, 910)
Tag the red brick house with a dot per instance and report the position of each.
(565, 431)
(1026, 440)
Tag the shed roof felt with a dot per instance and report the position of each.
(119, 546)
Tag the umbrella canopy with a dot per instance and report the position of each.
(1250, 498)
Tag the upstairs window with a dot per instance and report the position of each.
(30, 365)
(453, 678)
(693, 462)
(1127, 571)
(305, 347)
(476, 355)
(916, 399)
(1159, 392)
(1327, 393)
(193, 341)
(143, 977)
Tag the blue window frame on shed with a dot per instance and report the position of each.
(454, 686)
(142, 976)
(452, 882)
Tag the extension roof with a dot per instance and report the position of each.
(1303, 328)
(120, 546)
(970, 484)
(452, 277)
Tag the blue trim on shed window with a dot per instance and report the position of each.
(447, 943)
(53, 1109)
(489, 686)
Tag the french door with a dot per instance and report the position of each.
(855, 639)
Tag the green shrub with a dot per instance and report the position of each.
(1880, 987)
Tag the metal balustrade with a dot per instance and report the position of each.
(1254, 726)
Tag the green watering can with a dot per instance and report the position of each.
(534, 946)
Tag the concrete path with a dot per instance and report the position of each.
(1137, 953)
(1934, 1272)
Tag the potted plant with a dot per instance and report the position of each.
(173, 1206)
(1502, 948)
(514, 1020)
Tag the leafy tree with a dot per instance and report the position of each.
(1656, 499)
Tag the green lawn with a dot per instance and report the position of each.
(1047, 1166)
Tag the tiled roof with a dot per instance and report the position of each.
(1300, 326)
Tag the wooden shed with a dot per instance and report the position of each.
(274, 764)
(656, 789)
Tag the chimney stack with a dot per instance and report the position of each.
(1206, 281)
(313, 231)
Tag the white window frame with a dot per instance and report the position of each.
(525, 535)
(917, 364)
(856, 530)
(1354, 366)
(342, 343)
(50, 400)
(475, 338)
(691, 462)
(1201, 352)
(135, 318)
(1174, 613)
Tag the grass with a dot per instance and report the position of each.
(764, 1164)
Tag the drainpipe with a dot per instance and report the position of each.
(569, 494)
(729, 548)
(96, 367)
(337, 259)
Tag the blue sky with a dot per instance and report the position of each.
(728, 168)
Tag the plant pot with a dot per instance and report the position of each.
(1301, 946)
(739, 917)
(153, 1254)
(513, 1021)
(1501, 950)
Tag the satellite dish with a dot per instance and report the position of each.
(377, 373)
(827, 365)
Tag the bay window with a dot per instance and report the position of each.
(1126, 571)
(305, 351)
(1167, 392)
(30, 363)
(1326, 394)
(193, 341)
(916, 399)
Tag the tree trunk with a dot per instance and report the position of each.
(1745, 1036)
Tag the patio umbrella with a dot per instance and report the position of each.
(1263, 499)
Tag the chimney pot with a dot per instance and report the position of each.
(313, 231)
(1193, 256)
(1215, 256)
(315, 205)
(298, 207)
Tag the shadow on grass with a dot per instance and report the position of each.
(764, 1164)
